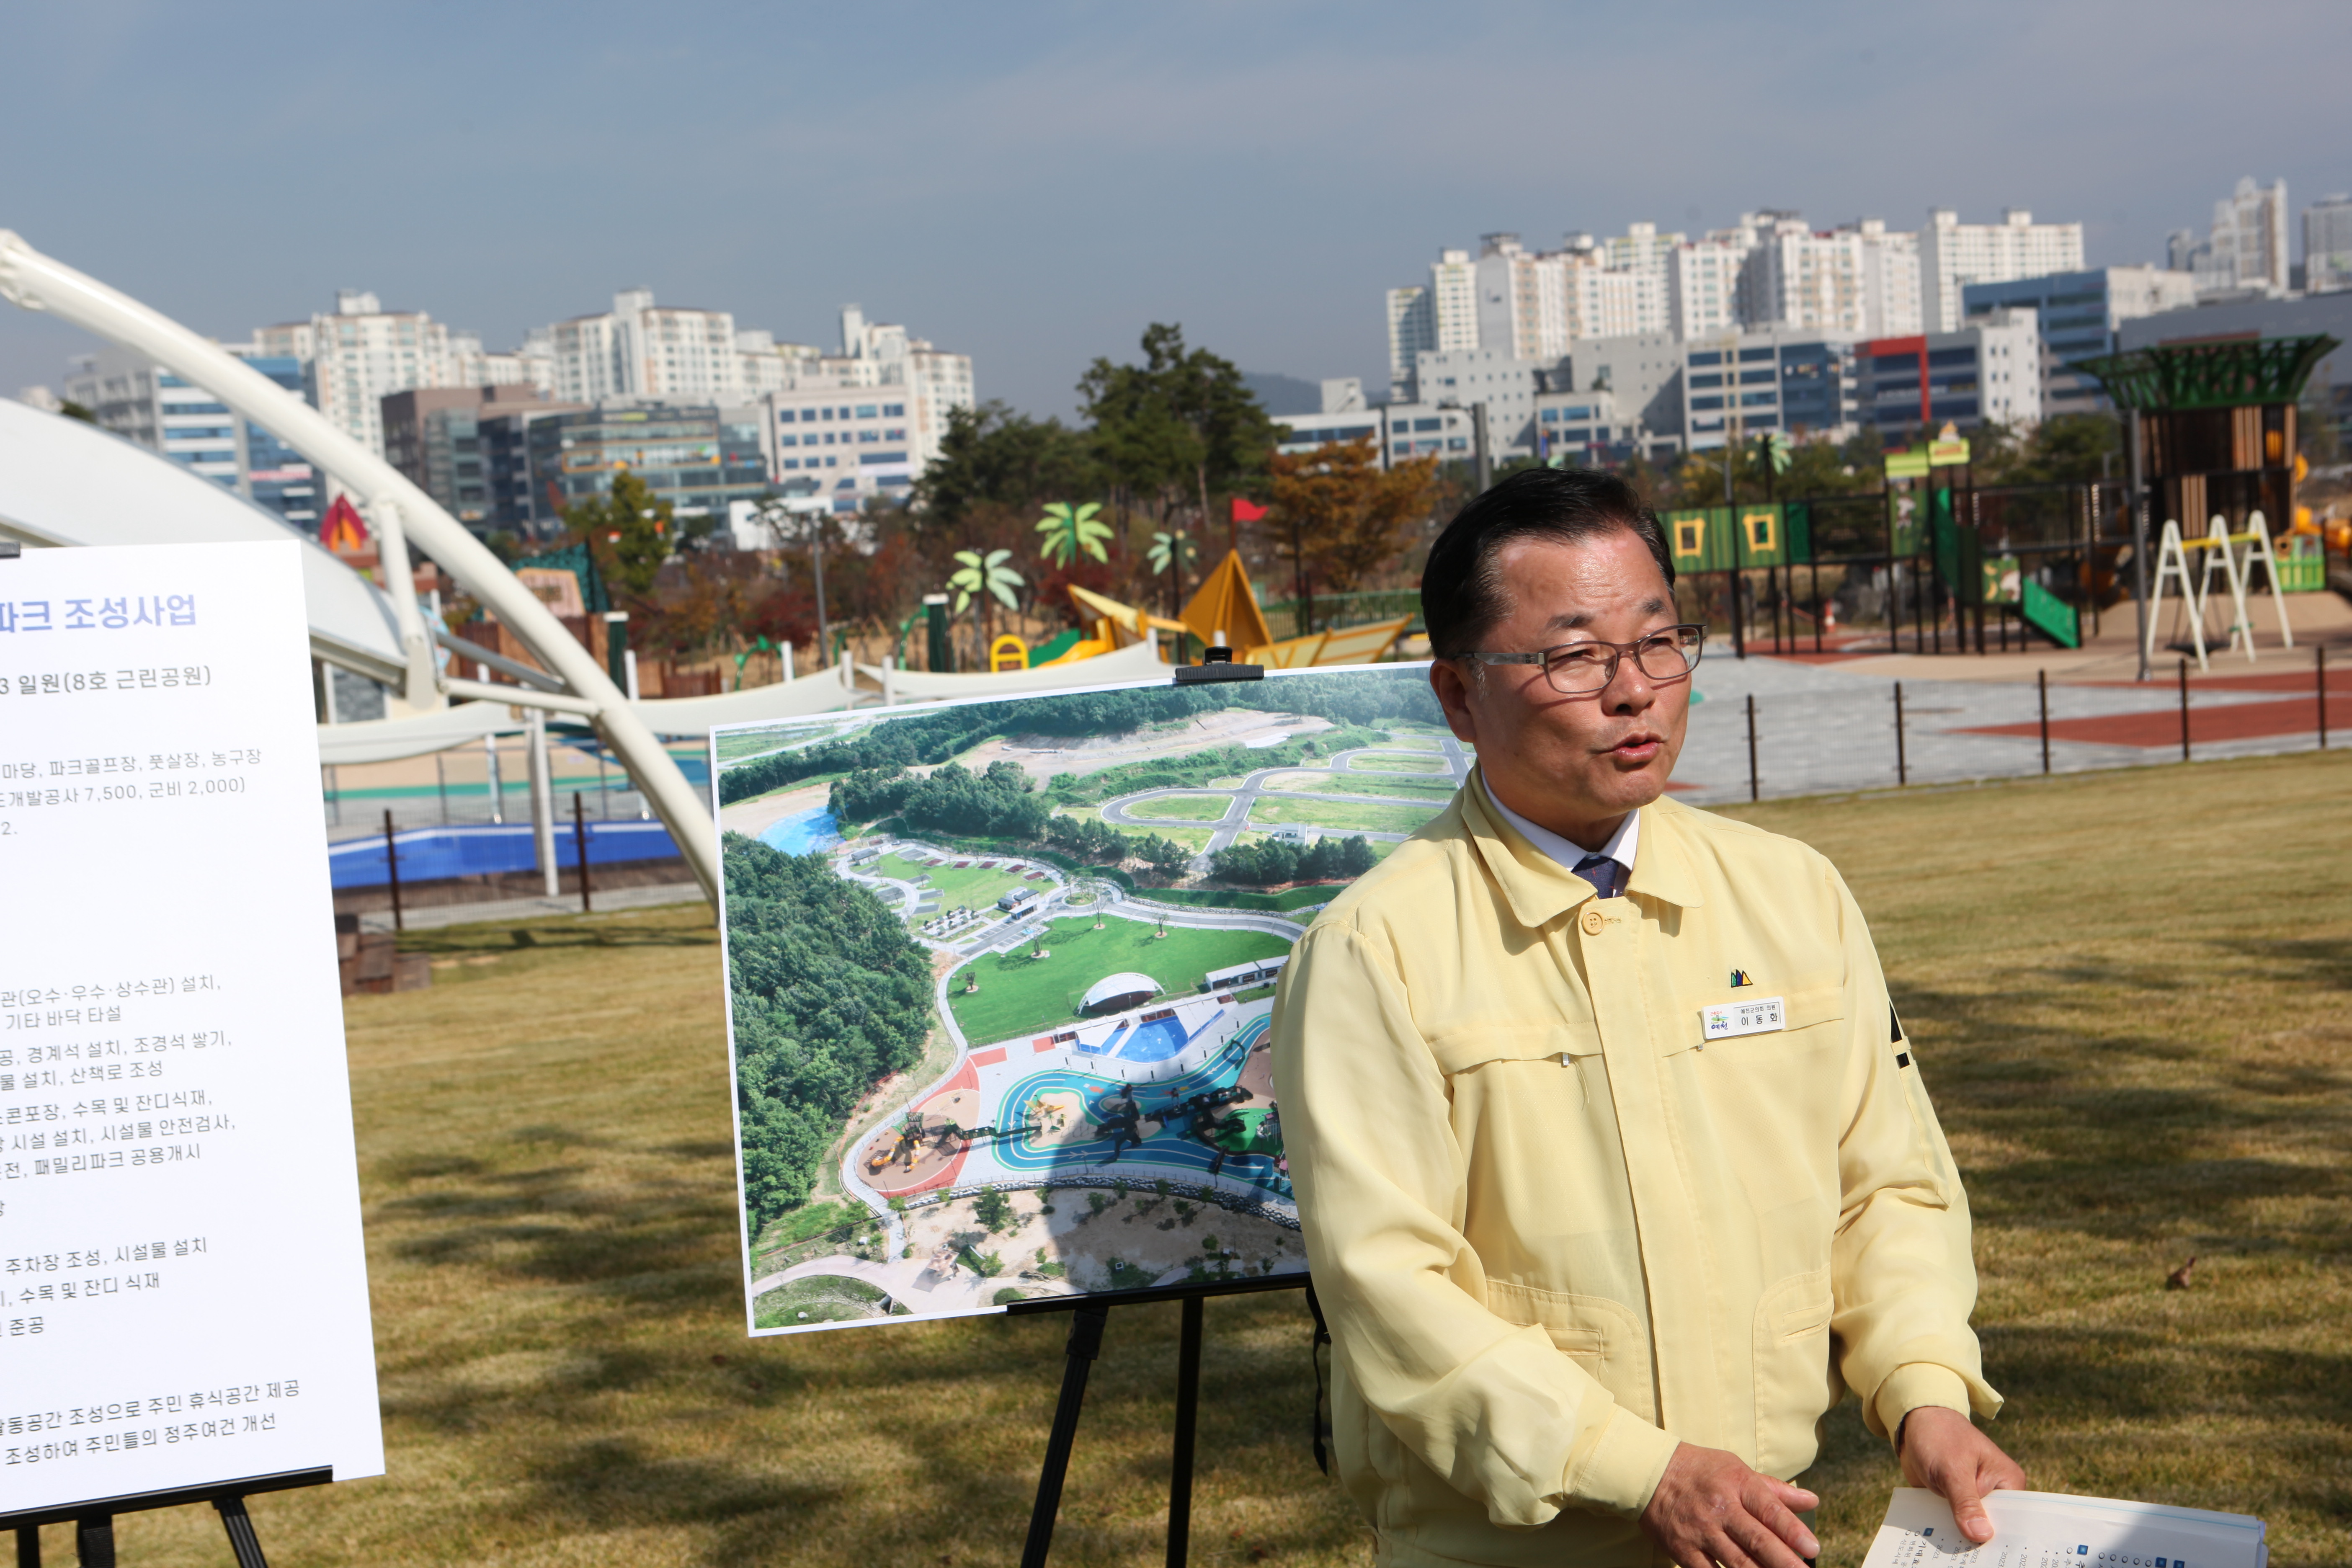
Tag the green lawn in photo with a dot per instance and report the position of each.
(1193, 838)
(972, 885)
(1407, 741)
(1020, 995)
(1308, 783)
(1343, 816)
(817, 1299)
(1380, 763)
(1184, 807)
(1242, 899)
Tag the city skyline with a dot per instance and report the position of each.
(1035, 188)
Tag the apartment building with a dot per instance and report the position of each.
(1953, 255)
(2327, 245)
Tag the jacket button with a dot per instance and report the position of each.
(1593, 922)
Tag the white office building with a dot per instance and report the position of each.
(1953, 255)
(1989, 370)
(2078, 315)
(142, 401)
(1644, 374)
(866, 420)
(145, 403)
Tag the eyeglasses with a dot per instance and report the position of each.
(1579, 668)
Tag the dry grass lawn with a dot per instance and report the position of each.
(2129, 993)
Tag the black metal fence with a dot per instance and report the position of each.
(1928, 568)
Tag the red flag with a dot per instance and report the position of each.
(1246, 511)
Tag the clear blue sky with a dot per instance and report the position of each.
(1032, 183)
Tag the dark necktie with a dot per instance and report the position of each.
(1607, 875)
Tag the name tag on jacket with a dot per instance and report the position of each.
(1726, 1019)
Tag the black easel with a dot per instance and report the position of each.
(93, 1519)
(1087, 1316)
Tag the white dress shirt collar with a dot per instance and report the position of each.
(1620, 847)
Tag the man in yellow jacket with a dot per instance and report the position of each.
(1614, 1162)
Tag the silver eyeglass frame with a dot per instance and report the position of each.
(1617, 652)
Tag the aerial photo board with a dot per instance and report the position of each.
(1001, 975)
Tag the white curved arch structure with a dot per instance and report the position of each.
(64, 483)
(399, 510)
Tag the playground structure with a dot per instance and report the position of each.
(1222, 613)
(2213, 433)
(2231, 557)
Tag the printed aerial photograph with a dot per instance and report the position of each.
(1001, 974)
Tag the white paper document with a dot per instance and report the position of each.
(182, 1290)
(2050, 1530)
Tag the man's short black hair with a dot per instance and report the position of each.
(1462, 593)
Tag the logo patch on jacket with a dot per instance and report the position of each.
(1740, 977)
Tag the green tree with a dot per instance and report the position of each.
(628, 531)
(994, 1210)
(992, 457)
(1176, 429)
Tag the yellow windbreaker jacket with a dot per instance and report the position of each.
(1556, 1229)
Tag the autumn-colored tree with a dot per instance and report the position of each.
(628, 531)
(1337, 517)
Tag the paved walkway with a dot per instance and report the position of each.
(1826, 724)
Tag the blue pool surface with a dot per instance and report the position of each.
(803, 832)
(1155, 1041)
(480, 849)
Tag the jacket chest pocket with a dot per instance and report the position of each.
(1460, 1047)
(1805, 1011)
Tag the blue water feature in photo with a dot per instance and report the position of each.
(803, 832)
(1109, 1044)
(1155, 1041)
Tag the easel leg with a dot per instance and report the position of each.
(1188, 1406)
(94, 1541)
(241, 1538)
(28, 1546)
(1086, 1343)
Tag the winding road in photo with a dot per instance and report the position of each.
(1132, 810)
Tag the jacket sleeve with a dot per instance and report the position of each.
(1492, 1406)
(1905, 1280)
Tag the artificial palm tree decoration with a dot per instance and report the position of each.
(1171, 552)
(984, 578)
(1071, 532)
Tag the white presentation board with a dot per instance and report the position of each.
(183, 1288)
